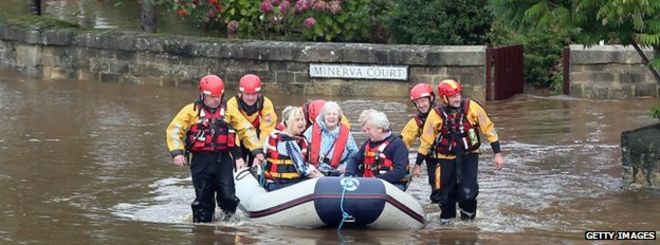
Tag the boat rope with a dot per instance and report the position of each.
(345, 183)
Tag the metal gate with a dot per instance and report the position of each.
(504, 72)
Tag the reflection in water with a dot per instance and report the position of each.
(92, 156)
(103, 14)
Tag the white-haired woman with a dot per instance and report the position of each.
(332, 143)
(383, 155)
(286, 152)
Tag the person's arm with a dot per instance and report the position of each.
(351, 148)
(354, 161)
(410, 132)
(244, 129)
(295, 154)
(431, 129)
(235, 151)
(176, 132)
(398, 153)
(487, 129)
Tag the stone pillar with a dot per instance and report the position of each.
(641, 156)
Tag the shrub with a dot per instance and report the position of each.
(542, 54)
(655, 112)
(440, 22)
(335, 20)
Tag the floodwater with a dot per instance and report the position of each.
(85, 162)
(105, 14)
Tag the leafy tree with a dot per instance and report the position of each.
(440, 22)
(629, 22)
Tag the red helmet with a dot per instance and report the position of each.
(449, 87)
(250, 83)
(421, 90)
(312, 109)
(211, 85)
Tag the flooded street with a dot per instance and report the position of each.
(86, 163)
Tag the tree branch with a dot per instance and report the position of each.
(646, 61)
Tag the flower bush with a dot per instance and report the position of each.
(329, 20)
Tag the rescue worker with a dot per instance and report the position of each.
(383, 155)
(286, 153)
(258, 118)
(451, 139)
(201, 133)
(422, 96)
(332, 142)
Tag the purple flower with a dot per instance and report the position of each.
(335, 6)
(276, 2)
(232, 26)
(284, 6)
(266, 6)
(303, 5)
(310, 22)
(212, 13)
(320, 6)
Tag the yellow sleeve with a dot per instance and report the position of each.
(244, 129)
(176, 130)
(268, 121)
(477, 115)
(431, 129)
(410, 132)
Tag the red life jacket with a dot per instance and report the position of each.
(260, 105)
(456, 131)
(375, 161)
(211, 133)
(280, 126)
(280, 166)
(339, 146)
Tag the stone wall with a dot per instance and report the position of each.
(69, 53)
(610, 71)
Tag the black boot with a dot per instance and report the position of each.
(201, 214)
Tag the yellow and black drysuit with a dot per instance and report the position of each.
(451, 139)
(413, 130)
(254, 124)
(206, 138)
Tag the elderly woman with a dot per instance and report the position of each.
(331, 141)
(286, 152)
(383, 155)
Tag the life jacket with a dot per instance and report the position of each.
(210, 133)
(279, 166)
(243, 108)
(457, 132)
(339, 146)
(420, 119)
(280, 126)
(376, 162)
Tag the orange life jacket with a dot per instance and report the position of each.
(456, 131)
(339, 146)
(211, 133)
(375, 161)
(279, 166)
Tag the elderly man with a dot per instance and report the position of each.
(383, 155)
